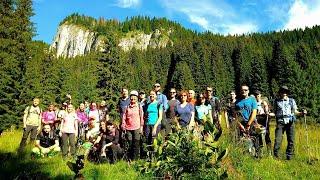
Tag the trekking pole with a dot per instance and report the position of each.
(307, 137)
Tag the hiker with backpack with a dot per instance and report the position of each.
(132, 125)
(31, 123)
(263, 119)
(285, 109)
(247, 110)
(47, 143)
(153, 112)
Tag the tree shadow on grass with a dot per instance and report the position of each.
(22, 167)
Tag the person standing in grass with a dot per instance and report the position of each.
(262, 119)
(285, 110)
(203, 110)
(132, 125)
(31, 123)
(247, 107)
(123, 102)
(69, 131)
(153, 116)
(191, 97)
(230, 112)
(49, 116)
(171, 113)
(216, 107)
(47, 143)
(184, 112)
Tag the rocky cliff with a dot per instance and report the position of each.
(72, 40)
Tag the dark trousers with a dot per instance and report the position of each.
(68, 139)
(114, 152)
(262, 120)
(33, 130)
(148, 133)
(133, 138)
(280, 129)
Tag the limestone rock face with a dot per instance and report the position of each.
(141, 41)
(72, 40)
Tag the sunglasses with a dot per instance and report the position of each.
(156, 86)
(172, 92)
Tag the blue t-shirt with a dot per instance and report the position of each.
(123, 104)
(246, 106)
(203, 111)
(184, 114)
(152, 114)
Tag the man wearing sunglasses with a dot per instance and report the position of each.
(247, 107)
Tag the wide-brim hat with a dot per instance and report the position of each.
(284, 89)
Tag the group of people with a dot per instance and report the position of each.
(147, 116)
(251, 112)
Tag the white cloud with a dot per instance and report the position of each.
(215, 16)
(303, 15)
(128, 3)
(239, 29)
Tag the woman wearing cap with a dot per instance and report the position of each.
(184, 112)
(153, 116)
(132, 125)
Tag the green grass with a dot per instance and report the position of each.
(239, 164)
(304, 165)
(13, 166)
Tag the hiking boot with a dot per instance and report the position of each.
(289, 158)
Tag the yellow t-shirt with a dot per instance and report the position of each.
(33, 116)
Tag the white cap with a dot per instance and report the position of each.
(134, 93)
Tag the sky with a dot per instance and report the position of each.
(218, 16)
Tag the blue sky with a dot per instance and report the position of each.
(218, 16)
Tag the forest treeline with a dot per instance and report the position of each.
(264, 61)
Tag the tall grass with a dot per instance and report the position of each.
(304, 165)
(13, 166)
(239, 164)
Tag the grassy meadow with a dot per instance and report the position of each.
(239, 165)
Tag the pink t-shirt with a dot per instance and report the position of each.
(69, 121)
(82, 116)
(48, 117)
(132, 118)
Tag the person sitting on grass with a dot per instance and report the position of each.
(47, 143)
